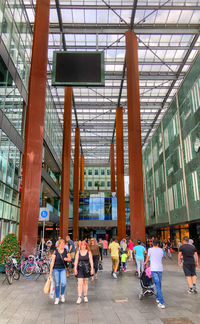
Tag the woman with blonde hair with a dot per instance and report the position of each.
(58, 268)
(83, 269)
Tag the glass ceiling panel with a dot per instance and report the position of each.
(166, 33)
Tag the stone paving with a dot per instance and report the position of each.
(110, 301)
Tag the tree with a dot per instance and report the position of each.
(97, 184)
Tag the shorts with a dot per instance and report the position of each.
(115, 261)
(189, 270)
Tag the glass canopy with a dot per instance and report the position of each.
(168, 41)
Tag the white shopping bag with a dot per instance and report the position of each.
(52, 289)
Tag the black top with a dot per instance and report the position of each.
(84, 258)
(59, 263)
(188, 251)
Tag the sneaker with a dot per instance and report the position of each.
(85, 299)
(114, 275)
(62, 298)
(161, 305)
(195, 289)
(125, 270)
(56, 302)
(78, 300)
(190, 291)
(157, 301)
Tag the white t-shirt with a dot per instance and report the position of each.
(156, 255)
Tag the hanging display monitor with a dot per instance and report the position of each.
(78, 69)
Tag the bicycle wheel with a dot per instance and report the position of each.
(16, 274)
(9, 276)
(45, 269)
(31, 271)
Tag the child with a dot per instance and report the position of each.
(123, 260)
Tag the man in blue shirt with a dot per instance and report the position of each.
(139, 252)
(71, 247)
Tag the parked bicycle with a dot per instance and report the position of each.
(34, 269)
(11, 268)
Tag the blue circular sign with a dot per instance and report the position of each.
(44, 214)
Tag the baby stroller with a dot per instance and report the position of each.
(147, 285)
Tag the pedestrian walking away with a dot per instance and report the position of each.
(114, 249)
(139, 252)
(105, 247)
(155, 254)
(188, 256)
(58, 268)
(130, 249)
(83, 269)
(123, 259)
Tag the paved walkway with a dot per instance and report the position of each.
(110, 301)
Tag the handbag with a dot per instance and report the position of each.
(171, 250)
(47, 286)
(100, 266)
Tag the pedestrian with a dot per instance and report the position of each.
(71, 247)
(94, 248)
(123, 260)
(155, 254)
(105, 247)
(123, 245)
(165, 249)
(58, 268)
(114, 249)
(100, 244)
(130, 249)
(83, 269)
(139, 252)
(189, 254)
(169, 247)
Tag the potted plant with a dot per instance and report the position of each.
(8, 245)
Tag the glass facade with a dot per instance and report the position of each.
(97, 178)
(171, 161)
(16, 35)
(9, 186)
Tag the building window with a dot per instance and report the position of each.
(102, 172)
(108, 172)
(108, 184)
(89, 172)
(89, 183)
(96, 172)
(102, 183)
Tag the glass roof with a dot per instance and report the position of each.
(168, 41)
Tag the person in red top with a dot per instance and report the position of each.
(105, 247)
(130, 249)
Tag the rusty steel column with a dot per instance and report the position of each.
(32, 162)
(112, 168)
(82, 174)
(76, 185)
(66, 160)
(137, 219)
(121, 219)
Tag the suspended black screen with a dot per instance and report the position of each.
(78, 69)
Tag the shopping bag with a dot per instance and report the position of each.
(47, 286)
(52, 289)
(171, 250)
